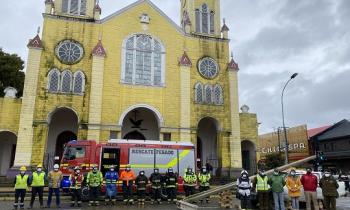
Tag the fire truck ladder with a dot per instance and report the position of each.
(187, 205)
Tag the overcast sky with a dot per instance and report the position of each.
(270, 39)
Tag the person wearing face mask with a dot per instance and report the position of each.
(94, 180)
(171, 185)
(244, 186)
(76, 179)
(156, 181)
(141, 184)
(204, 178)
(190, 181)
(38, 179)
(111, 178)
(54, 178)
(329, 188)
(309, 182)
(260, 184)
(293, 184)
(128, 177)
(277, 182)
(21, 186)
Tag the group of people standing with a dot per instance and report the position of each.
(264, 184)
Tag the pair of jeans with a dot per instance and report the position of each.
(19, 193)
(278, 199)
(39, 191)
(311, 196)
(295, 203)
(57, 194)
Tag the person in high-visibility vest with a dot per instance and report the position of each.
(94, 180)
(54, 178)
(204, 178)
(21, 186)
(128, 177)
(260, 183)
(171, 185)
(111, 178)
(141, 184)
(156, 181)
(190, 181)
(37, 181)
(76, 179)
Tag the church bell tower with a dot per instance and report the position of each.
(84, 9)
(201, 17)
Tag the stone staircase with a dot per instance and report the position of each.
(5, 182)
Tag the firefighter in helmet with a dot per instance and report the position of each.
(204, 178)
(76, 179)
(190, 181)
(141, 184)
(111, 179)
(128, 177)
(94, 180)
(171, 185)
(21, 186)
(156, 181)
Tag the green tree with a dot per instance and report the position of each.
(11, 74)
(273, 160)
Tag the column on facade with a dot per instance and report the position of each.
(96, 92)
(234, 139)
(185, 97)
(25, 131)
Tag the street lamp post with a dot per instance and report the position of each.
(284, 126)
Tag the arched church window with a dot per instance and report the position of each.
(78, 82)
(198, 93)
(212, 29)
(53, 81)
(198, 20)
(66, 85)
(205, 18)
(144, 61)
(208, 94)
(218, 97)
(74, 7)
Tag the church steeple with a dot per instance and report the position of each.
(201, 17)
(77, 8)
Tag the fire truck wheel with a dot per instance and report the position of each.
(85, 193)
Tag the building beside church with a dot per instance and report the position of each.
(134, 74)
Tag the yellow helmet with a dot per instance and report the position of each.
(39, 166)
(23, 168)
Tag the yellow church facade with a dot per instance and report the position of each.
(134, 74)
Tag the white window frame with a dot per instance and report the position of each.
(82, 82)
(79, 7)
(209, 12)
(71, 81)
(123, 60)
(49, 80)
(196, 87)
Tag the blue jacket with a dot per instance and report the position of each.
(111, 177)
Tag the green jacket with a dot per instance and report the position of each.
(277, 183)
(329, 186)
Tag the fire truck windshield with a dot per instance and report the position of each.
(72, 152)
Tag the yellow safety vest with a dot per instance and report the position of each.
(38, 180)
(190, 179)
(261, 184)
(21, 182)
(204, 179)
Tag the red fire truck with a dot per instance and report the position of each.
(141, 155)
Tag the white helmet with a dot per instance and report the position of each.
(56, 166)
(244, 172)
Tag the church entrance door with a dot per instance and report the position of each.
(8, 142)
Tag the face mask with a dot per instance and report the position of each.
(23, 172)
(204, 171)
(327, 174)
(112, 169)
(276, 173)
(127, 169)
(142, 173)
(156, 171)
(170, 172)
(244, 175)
(293, 173)
(262, 173)
(77, 171)
(56, 169)
(38, 170)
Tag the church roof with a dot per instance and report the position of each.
(98, 8)
(117, 13)
(36, 42)
(185, 60)
(233, 65)
(99, 50)
(224, 28)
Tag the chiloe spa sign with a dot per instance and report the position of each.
(274, 142)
